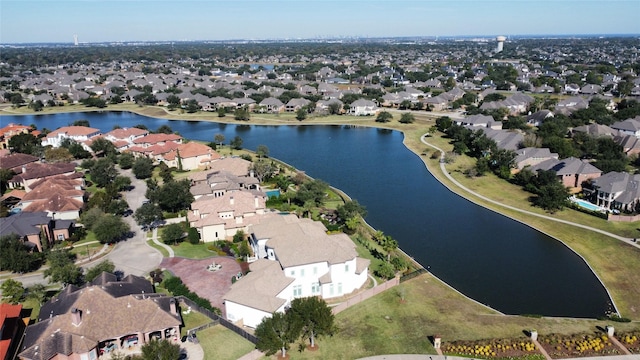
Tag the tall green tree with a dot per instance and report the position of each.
(103, 172)
(160, 350)
(277, 333)
(126, 160)
(384, 117)
(142, 168)
(175, 195)
(236, 143)
(62, 268)
(12, 291)
(407, 118)
(147, 214)
(103, 147)
(37, 292)
(110, 228)
(314, 316)
(219, 139)
(26, 144)
(16, 256)
(172, 233)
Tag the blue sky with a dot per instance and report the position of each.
(172, 20)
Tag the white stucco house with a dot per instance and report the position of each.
(297, 258)
(77, 133)
(363, 107)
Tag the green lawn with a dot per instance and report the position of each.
(191, 251)
(162, 250)
(221, 343)
(192, 320)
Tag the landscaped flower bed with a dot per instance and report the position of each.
(493, 349)
(580, 345)
(631, 340)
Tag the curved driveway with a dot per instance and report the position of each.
(446, 173)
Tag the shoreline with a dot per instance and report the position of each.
(162, 113)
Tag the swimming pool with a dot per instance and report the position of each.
(272, 193)
(587, 205)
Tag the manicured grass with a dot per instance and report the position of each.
(614, 262)
(162, 250)
(33, 306)
(192, 320)
(221, 343)
(191, 251)
(385, 324)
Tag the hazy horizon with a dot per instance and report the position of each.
(109, 21)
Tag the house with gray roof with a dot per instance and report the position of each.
(301, 260)
(363, 107)
(479, 120)
(617, 190)
(531, 156)
(504, 139)
(572, 172)
(628, 126)
(35, 227)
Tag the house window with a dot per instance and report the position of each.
(315, 270)
(297, 290)
(339, 288)
(293, 273)
(330, 289)
(301, 272)
(60, 237)
(346, 268)
(315, 288)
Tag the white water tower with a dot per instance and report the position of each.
(75, 40)
(501, 39)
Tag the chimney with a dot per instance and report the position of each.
(173, 307)
(231, 202)
(24, 169)
(256, 202)
(76, 316)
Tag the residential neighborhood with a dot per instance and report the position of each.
(559, 122)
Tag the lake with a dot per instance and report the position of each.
(488, 257)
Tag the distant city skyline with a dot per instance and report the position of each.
(29, 21)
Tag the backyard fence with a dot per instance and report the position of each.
(217, 320)
(365, 295)
(413, 274)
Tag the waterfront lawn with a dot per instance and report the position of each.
(221, 343)
(384, 324)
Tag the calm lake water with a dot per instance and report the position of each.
(488, 257)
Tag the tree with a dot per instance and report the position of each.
(95, 271)
(351, 209)
(314, 190)
(388, 245)
(91, 216)
(147, 214)
(62, 268)
(110, 228)
(37, 292)
(12, 291)
(241, 114)
(26, 143)
(262, 151)
(5, 176)
(314, 316)
(175, 195)
(126, 160)
(172, 233)
(443, 123)
(219, 139)
(386, 270)
(236, 143)
(407, 118)
(103, 147)
(277, 333)
(84, 123)
(56, 155)
(16, 255)
(334, 108)
(142, 168)
(384, 117)
(164, 129)
(552, 196)
(122, 183)
(263, 169)
(160, 350)
(103, 172)
(173, 101)
(301, 114)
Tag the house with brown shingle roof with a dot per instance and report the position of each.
(60, 196)
(16, 161)
(84, 323)
(34, 172)
(300, 249)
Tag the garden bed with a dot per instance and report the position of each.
(579, 345)
(493, 349)
(631, 340)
